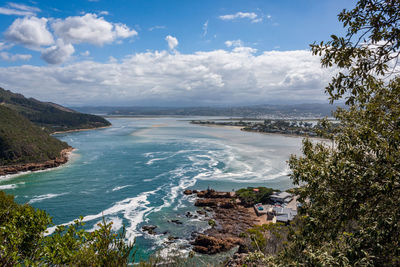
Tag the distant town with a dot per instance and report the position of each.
(309, 127)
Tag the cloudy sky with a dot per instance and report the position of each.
(166, 53)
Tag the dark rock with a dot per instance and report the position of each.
(176, 221)
(188, 192)
(170, 238)
(149, 229)
(201, 212)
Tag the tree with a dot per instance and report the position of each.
(22, 241)
(351, 187)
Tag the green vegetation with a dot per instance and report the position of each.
(249, 196)
(23, 142)
(352, 185)
(50, 116)
(22, 241)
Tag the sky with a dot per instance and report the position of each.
(167, 52)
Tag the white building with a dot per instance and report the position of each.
(282, 197)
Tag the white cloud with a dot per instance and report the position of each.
(86, 53)
(90, 29)
(157, 27)
(30, 31)
(123, 31)
(205, 28)
(24, 7)
(254, 18)
(19, 10)
(104, 12)
(172, 42)
(157, 78)
(58, 53)
(4, 46)
(234, 43)
(14, 57)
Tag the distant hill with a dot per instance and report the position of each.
(52, 117)
(23, 142)
(257, 111)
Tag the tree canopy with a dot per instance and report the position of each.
(351, 187)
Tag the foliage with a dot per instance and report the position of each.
(23, 142)
(211, 223)
(250, 197)
(22, 240)
(352, 186)
(267, 238)
(51, 116)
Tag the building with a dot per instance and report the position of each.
(282, 197)
(284, 215)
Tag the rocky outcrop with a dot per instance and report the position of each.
(230, 217)
(210, 193)
(211, 245)
(216, 202)
(12, 169)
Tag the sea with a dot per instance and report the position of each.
(134, 174)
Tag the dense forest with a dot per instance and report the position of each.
(23, 142)
(50, 116)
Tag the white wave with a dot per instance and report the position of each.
(184, 182)
(43, 197)
(120, 187)
(133, 209)
(150, 162)
(8, 186)
(116, 224)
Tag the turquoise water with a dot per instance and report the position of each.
(134, 172)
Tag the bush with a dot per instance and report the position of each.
(22, 240)
(249, 197)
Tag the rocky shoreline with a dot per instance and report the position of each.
(230, 219)
(14, 169)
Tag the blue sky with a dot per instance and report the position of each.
(127, 52)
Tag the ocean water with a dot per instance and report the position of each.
(134, 173)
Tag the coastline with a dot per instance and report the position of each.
(284, 134)
(80, 130)
(241, 128)
(34, 167)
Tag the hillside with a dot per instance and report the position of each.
(51, 116)
(23, 142)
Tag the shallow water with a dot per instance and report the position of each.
(133, 174)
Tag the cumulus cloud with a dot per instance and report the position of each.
(19, 10)
(14, 57)
(253, 17)
(157, 78)
(234, 43)
(58, 53)
(30, 31)
(172, 42)
(90, 28)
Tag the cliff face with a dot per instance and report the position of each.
(50, 116)
(22, 142)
